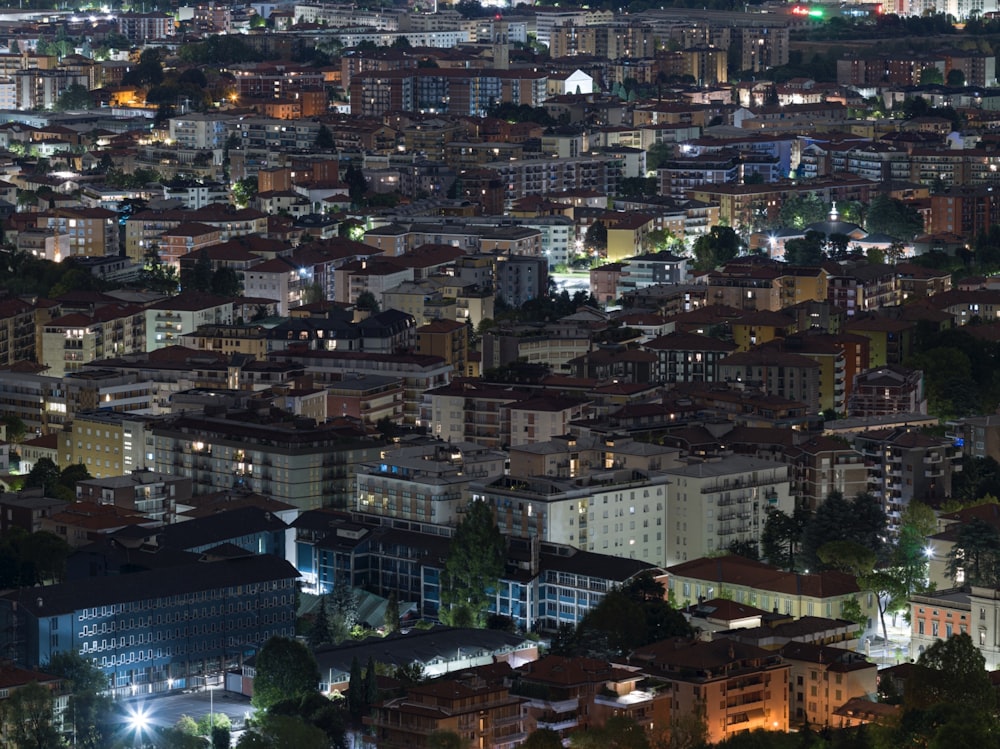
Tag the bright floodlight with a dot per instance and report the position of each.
(138, 719)
(929, 551)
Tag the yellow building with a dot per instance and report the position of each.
(230, 339)
(625, 236)
(756, 328)
(448, 339)
(746, 581)
(107, 443)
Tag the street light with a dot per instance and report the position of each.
(138, 721)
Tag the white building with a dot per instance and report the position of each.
(168, 320)
(714, 503)
(199, 130)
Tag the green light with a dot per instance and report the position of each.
(816, 13)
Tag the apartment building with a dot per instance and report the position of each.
(92, 232)
(17, 332)
(888, 390)
(614, 512)
(170, 319)
(71, 341)
(905, 464)
(293, 461)
(823, 679)
(426, 483)
(141, 28)
(740, 687)
(777, 372)
(821, 465)
(107, 443)
(712, 504)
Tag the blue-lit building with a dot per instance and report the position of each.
(154, 630)
(544, 584)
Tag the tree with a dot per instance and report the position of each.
(888, 590)
(367, 301)
(371, 684)
(343, 611)
(716, 248)
(472, 568)
(846, 556)
(798, 211)
(77, 96)
(226, 282)
(320, 632)
(618, 732)
(893, 217)
(542, 738)
(596, 238)
(951, 671)
(931, 75)
(324, 138)
(909, 556)
(44, 475)
(29, 715)
(446, 740)
(860, 520)
(200, 277)
(356, 690)
(88, 709)
(392, 616)
(657, 155)
(974, 558)
(15, 428)
(357, 185)
(807, 250)
(285, 668)
(244, 190)
(148, 72)
(956, 78)
(282, 732)
(779, 539)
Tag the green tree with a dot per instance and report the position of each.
(343, 611)
(77, 96)
(28, 714)
(657, 155)
(15, 428)
(89, 708)
(44, 475)
(951, 671)
(472, 568)
(226, 282)
(596, 238)
(324, 138)
(780, 538)
(356, 690)
(931, 75)
(244, 190)
(716, 248)
(846, 556)
(357, 185)
(798, 211)
(975, 555)
(807, 250)
(446, 740)
(392, 615)
(956, 78)
(909, 556)
(618, 732)
(367, 301)
(893, 217)
(542, 738)
(285, 668)
(319, 633)
(148, 71)
(200, 278)
(888, 590)
(284, 732)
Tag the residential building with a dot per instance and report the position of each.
(176, 316)
(108, 443)
(823, 679)
(426, 483)
(740, 687)
(71, 341)
(521, 278)
(712, 504)
(614, 512)
(296, 462)
(888, 390)
(688, 357)
(92, 232)
(155, 631)
(477, 703)
(141, 28)
(787, 375)
(906, 465)
(448, 339)
(890, 341)
(26, 509)
(155, 495)
(17, 332)
(821, 465)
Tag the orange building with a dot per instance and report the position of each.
(739, 687)
(185, 239)
(475, 705)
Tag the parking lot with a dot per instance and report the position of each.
(163, 711)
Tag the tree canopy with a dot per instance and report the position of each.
(285, 669)
(472, 568)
